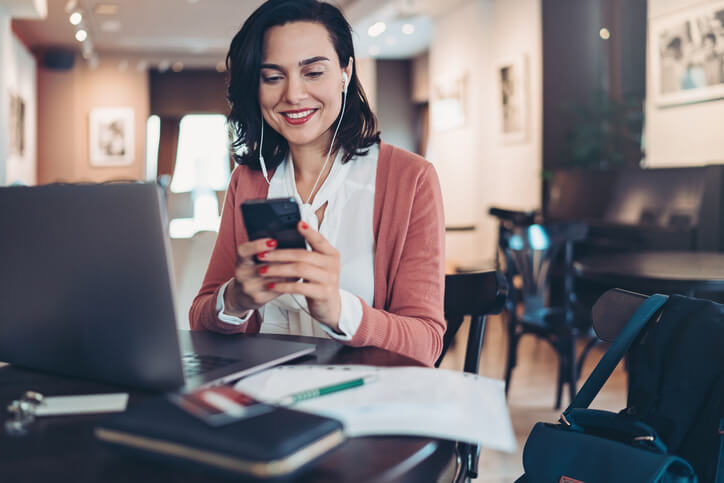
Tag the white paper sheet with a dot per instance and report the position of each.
(83, 404)
(409, 401)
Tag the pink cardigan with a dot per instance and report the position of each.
(407, 317)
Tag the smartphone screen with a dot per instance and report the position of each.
(275, 218)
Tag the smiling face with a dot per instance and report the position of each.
(301, 85)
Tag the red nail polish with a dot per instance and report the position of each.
(270, 286)
(263, 270)
(261, 255)
(304, 226)
(271, 243)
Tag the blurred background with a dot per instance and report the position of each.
(603, 110)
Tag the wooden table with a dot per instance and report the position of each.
(63, 447)
(656, 271)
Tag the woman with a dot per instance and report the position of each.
(371, 213)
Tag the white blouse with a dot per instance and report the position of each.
(349, 191)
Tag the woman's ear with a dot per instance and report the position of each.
(349, 69)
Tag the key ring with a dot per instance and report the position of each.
(22, 412)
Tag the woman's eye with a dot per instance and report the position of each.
(314, 75)
(271, 78)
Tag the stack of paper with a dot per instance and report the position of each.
(409, 401)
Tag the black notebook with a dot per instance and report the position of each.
(272, 445)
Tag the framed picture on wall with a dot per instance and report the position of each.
(111, 136)
(448, 101)
(687, 55)
(512, 91)
(17, 126)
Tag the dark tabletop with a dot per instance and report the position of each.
(666, 271)
(63, 447)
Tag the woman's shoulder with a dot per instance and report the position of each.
(399, 162)
(247, 182)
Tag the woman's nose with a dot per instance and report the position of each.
(295, 91)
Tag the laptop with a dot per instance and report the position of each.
(86, 291)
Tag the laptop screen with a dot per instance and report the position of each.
(85, 288)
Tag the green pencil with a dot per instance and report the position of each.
(322, 391)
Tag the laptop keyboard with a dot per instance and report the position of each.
(195, 364)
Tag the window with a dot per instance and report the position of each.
(202, 169)
(153, 135)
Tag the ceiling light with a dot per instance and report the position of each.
(111, 25)
(87, 49)
(604, 33)
(177, 66)
(75, 18)
(197, 47)
(106, 9)
(164, 65)
(408, 29)
(221, 67)
(376, 29)
(141, 65)
(81, 35)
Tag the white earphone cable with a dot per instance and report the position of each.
(319, 176)
(261, 156)
(262, 164)
(331, 145)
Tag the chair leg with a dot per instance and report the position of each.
(469, 455)
(566, 349)
(591, 343)
(572, 374)
(561, 372)
(512, 358)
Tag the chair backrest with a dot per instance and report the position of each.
(179, 205)
(530, 251)
(613, 310)
(474, 294)
(190, 260)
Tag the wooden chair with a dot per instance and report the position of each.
(612, 311)
(532, 251)
(475, 294)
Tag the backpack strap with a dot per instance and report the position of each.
(616, 351)
(720, 465)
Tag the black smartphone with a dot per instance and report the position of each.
(275, 218)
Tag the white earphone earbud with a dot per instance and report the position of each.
(346, 81)
(262, 164)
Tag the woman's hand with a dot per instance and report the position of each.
(248, 290)
(319, 270)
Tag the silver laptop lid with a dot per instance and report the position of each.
(85, 286)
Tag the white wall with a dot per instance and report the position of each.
(684, 135)
(5, 35)
(476, 169)
(18, 76)
(367, 74)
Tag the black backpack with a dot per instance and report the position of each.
(676, 380)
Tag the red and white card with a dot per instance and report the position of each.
(219, 405)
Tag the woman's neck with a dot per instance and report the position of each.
(308, 161)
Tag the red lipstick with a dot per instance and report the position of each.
(299, 116)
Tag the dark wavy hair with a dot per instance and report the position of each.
(358, 130)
